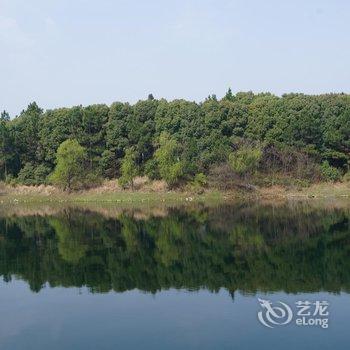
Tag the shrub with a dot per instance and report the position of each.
(10, 180)
(346, 177)
(245, 160)
(329, 173)
(281, 160)
(198, 183)
(200, 180)
(92, 180)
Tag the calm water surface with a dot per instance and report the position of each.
(174, 278)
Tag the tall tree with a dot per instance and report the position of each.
(117, 137)
(25, 130)
(168, 157)
(94, 120)
(69, 172)
(129, 168)
(6, 149)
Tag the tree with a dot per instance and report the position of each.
(94, 119)
(142, 129)
(33, 175)
(5, 116)
(128, 169)
(69, 172)
(25, 130)
(117, 136)
(6, 151)
(229, 95)
(168, 157)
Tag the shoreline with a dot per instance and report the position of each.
(49, 194)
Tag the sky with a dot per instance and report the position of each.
(71, 52)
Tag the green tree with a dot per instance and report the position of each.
(33, 175)
(69, 172)
(129, 168)
(168, 157)
(94, 120)
(5, 116)
(229, 95)
(117, 137)
(6, 149)
(142, 129)
(25, 131)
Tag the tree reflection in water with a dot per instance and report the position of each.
(238, 247)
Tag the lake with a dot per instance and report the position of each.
(233, 276)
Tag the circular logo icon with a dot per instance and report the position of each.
(278, 315)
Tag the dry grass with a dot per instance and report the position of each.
(320, 190)
(32, 190)
(156, 192)
(141, 183)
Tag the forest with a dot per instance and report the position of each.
(241, 138)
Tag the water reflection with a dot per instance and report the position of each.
(249, 248)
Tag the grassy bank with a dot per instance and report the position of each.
(48, 194)
(109, 194)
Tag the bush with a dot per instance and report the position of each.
(199, 182)
(245, 160)
(174, 174)
(281, 160)
(92, 180)
(330, 173)
(346, 177)
(10, 180)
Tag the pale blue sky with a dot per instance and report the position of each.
(69, 52)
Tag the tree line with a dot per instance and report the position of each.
(242, 137)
